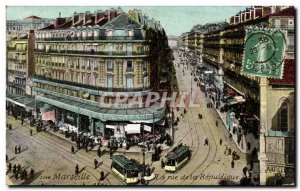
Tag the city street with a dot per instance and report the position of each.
(207, 163)
(52, 160)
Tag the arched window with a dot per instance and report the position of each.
(283, 116)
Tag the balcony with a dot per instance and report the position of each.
(92, 38)
(98, 53)
(129, 69)
(39, 78)
(11, 48)
(109, 69)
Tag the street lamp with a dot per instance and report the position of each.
(153, 129)
(143, 149)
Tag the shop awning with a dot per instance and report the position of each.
(34, 104)
(152, 113)
(230, 92)
(161, 122)
(15, 102)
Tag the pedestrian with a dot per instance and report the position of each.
(86, 148)
(245, 169)
(162, 164)
(101, 175)
(221, 141)
(25, 174)
(251, 164)
(19, 168)
(206, 141)
(16, 150)
(22, 175)
(31, 173)
(17, 175)
(9, 167)
(232, 164)
(22, 121)
(217, 123)
(229, 151)
(110, 153)
(76, 169)
(30, 132)
(6, 158)
(99, 152)
(148, 146)
(14, 168)
(72, 150)
(19, 149)
(96, 163)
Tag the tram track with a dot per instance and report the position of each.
(41, 137)
(189, 113)
(213, 154)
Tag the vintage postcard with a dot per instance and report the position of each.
(145, 95)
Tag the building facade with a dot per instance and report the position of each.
(20, 64)
(266, 104)
(20, 28)
(79, 60)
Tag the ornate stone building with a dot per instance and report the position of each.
(20, 28)
(269, 103)
(79, 60)
(20, 65)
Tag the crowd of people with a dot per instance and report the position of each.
(17, 171)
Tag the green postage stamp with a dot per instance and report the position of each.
(264, 52)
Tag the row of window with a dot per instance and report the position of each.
(79, 94)
(84, 33)
(95, 80)
(89, 64)
(109, 47)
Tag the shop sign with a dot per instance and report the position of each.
(264, 52)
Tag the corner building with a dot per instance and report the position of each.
(78, 60)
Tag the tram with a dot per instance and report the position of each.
(125, 169)
(177, 158)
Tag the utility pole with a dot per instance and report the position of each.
(153, 129)
(143, 149)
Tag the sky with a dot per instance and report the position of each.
(174, 19)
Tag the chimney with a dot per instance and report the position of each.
(75, 18)
(231, 20)
(30, 51)
(59, 21)
(251, 13)
(236, 19)
(242, 17)
(257, 12)
(112, 13)
(87, 17)
(119, 10)
(266, 11)
(247, 14)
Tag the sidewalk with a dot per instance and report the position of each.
(245, 138)
(134, 149)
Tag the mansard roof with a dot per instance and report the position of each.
(122, 21)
